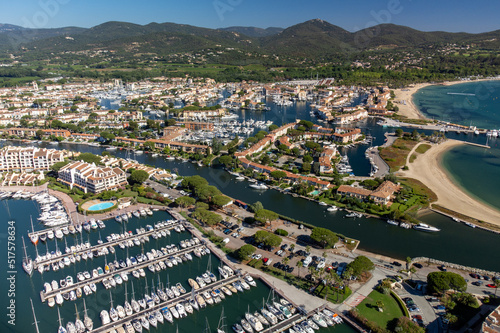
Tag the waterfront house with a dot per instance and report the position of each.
(28, 158)
(91, 178)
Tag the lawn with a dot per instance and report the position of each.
(335, 295)
(369, 309)
(395, 155)
(423, 148)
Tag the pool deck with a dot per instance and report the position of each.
(89, 204)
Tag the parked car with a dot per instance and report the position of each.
(474, 275)
(477, 283)
(395, 263)
(491, 285)
(441, 307)
(258, 256)
(284, 246)
(279, 252)
(442, 268)
(417, 265)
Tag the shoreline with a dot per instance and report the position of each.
(410, 110)
(428, 169)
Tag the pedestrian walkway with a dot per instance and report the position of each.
(354, 300)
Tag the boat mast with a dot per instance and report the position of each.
(59, 315)
(25, 254)
(34, 316)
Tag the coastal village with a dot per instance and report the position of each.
(181, 120)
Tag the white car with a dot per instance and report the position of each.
(258, 256)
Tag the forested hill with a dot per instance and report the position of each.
(314, 38)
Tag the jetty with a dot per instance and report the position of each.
(80, 284)
(169, 303)
(99, 247)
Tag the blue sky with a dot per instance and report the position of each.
(447, 15)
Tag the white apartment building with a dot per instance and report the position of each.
(91, 178)
(28, 158)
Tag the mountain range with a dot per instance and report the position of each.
(308, 39)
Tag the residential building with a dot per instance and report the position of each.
(381, 195)
(91, 178)
(29, 158)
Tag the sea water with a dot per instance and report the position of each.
(474, 169)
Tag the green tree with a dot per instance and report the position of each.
(272, 127)
(193, 182)
(307, 159)
(89, 158)
(267, 238)
(439, 282)
(256, 206)
(278, 174)
(324, 237)
(360, 265)
(405, 325)
(170, 122)
(306, 168)
(244, 252)
(399, 132)
(138, 177)
(265, 216)
(220, 200)
(40, 134)
(57, 166)
(108, 136)
(134, 126)
(216, 146)
(299, 265)
(206, 192)
(227, 160)
(185, 201)
(206, 216)
(149, 145)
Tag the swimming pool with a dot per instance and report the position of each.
(315, 192)
(101, 206)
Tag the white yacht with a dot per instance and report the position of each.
(426, 228)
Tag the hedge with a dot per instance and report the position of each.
(401, 304)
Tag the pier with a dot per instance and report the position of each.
(103, 245)
(81, 284)
(169, 303)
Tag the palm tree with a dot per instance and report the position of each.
(300, 264)
(497, 285)
(292, 247)
(285, 261)
(308, 249)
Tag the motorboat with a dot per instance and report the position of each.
(425, 227)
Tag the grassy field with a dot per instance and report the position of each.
(368, 308)
(420, 189)
(423, 148)
(395, 155)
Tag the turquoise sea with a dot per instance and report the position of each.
(476, 170)
(471, 103)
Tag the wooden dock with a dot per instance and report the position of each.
(80, 284)
(169, 303)
(103, 245)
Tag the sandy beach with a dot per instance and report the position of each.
(404, 97)
(427, 168)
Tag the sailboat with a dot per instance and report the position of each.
(33, 237)
(221, 327)
(113, 314)
(134, 303)
(89, 324)
(34, 316)
(61, 328)
(79, 325)
(27, 262)
(128, 308)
